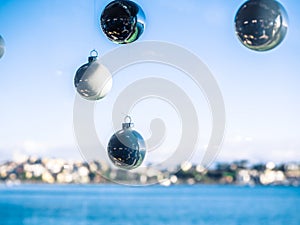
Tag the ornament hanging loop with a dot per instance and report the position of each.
(127, 122)
(93, 55)
(127, 119)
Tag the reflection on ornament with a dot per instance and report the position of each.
(261, 25)
(93, 80)
(126, 148)
(123, 21)
(2, 47)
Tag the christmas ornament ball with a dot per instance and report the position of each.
(261, 25)
(126, 148)
(93, 80)
(2, 46)
(123, 21)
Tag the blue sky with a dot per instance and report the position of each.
(46, 43)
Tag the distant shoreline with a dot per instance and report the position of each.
(35, 170)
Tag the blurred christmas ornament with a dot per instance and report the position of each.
(93, 80)
(123, 21)
(2, 46)
(126, 148)
(261, 25)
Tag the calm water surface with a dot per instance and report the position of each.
(112, 204)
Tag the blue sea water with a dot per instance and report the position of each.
(113, 204)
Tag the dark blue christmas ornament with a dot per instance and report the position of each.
(123, 21)
(126, 148)
(261, 25)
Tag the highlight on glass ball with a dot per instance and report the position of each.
(126, 148)
(2, 46)
(93, 80)
(123, 21)
(261, 25)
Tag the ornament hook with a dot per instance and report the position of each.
(93, 56)
(127, 122)
(127, 119)
(94, 53)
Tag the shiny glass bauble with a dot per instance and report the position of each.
(126, 148)
(2, 47)
(123, 21)
(261, 25)
(92, 80)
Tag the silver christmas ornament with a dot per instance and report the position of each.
(123, 21)
(261, 25)
(126, 148)
(2, 46)
(93, 80)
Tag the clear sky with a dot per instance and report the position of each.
(46, 41)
